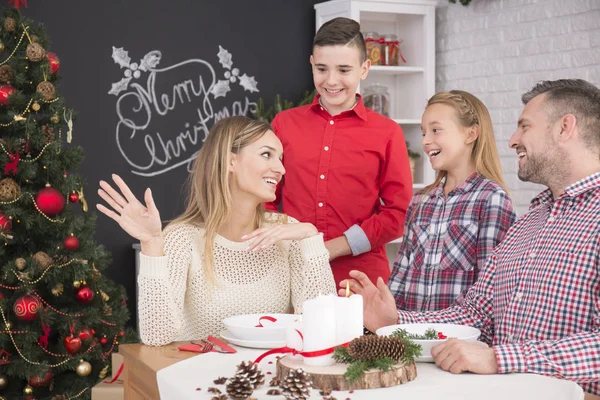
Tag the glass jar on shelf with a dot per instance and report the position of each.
(373, 46)
(377, 98)
(390, 50)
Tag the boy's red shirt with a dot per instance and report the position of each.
(337, 170)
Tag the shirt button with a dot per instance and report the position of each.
(551, 219)
(519, 295)
(320, 204)
(510, 338)
(322, 177)
(321, 108)
(430, 229)
(331, 122)
(326, 148)
(532, 255)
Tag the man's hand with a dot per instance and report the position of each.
(458, 356)
(379, 305)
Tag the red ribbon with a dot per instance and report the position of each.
(265, 317)
(380, 40)
(285, 350)
(117, 375)
(17, 3)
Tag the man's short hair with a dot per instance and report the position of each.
(341, 32)
(571, 96)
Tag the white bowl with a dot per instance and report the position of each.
(245, 326)
(462, 332)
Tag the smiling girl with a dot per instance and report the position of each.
(453, 224)
(224, 255)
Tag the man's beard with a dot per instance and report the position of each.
(545, 167)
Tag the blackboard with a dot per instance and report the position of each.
(241, 49)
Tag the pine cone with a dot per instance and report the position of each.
(371, 347)
(239, 388)
(10, 24)
(48, 133)
(249, 370)
(9, 189)
(6, 74)
(296, 385)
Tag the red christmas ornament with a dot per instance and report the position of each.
(50, 201)
(71, 243)
(86, 334)
(122, 333)
(26, 308)
(72, 344)
(103, 341)
(5, 91)
(5, 222)
(54, 62)
(37, 381)
(84, 295)
(74, 197)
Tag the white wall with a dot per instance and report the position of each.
(498, 49)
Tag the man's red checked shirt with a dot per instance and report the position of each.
(538, 298)
(337, 170)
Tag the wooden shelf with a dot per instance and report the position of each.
(399, 70)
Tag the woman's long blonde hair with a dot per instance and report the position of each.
(470, 111)
(209, 199)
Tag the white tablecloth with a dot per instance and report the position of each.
(181, 380)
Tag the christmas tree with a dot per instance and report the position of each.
(60, 318)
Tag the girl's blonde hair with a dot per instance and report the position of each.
(470, 111)
(209, 199)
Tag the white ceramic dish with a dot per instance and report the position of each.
(254, 344)
(244, 327)
(462, 332)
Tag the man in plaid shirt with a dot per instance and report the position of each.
(537, 301)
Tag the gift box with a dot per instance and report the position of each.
(117, 360)
(109, 391)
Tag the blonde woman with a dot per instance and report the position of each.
(224, 255)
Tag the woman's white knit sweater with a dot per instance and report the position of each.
(175, 301)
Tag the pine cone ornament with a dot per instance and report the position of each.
(43, 259)
(9, 189)
(249, 370)
(35, 52)
(46, 90)
(371, 347)
(296, 385)
(48, 133)
(10, 24)
(6, 74)
(239, 388)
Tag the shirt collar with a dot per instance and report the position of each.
(359, 108)
(464, 187)
(581, 186)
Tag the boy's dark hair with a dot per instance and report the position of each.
(341, 32)
(572, 96)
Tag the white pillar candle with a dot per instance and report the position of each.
(319, 329)
(294, 337)
(348, 318)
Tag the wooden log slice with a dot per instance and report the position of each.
(333, 377)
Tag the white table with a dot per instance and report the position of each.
(180, 381)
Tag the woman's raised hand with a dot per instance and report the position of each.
(264, 237)
(139, 221)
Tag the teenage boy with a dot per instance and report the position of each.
(347, 166)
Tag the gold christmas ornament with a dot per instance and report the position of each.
(2, 46)
(55, 119)
(43, 259)
(104, 372)
(3, 398)
(9, 189)
(46, 90)
(58, 289)
(84, 368)
(107, 310)
(3, 382)
(35, 106)
(28, 390)
(35, 52)
(20, 263)
(10, 24)
(76, 284)
(105, 297)
(8, 325)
